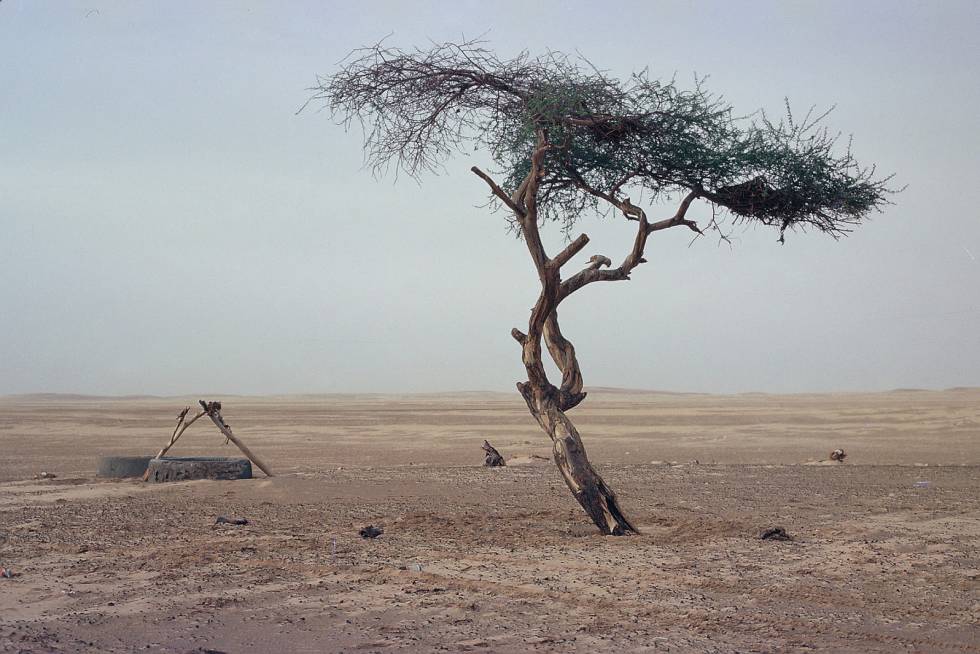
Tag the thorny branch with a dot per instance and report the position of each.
(418, 107)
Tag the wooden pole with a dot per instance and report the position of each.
(213, 410)
(178, 432)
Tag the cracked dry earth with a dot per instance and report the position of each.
(885, 558)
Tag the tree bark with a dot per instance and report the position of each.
(568, 452)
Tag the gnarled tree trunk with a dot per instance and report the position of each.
(546, 402)
(570, 456)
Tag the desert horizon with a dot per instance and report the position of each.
(936, 426)
(67, 395)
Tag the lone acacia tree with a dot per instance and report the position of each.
(568, 139)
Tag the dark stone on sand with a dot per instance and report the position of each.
(775, 533)
(371, 531)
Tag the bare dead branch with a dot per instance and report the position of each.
(179, 430)
(499, 192)
(213, 411)
(679, 217)
(594, 273)
(570, 251)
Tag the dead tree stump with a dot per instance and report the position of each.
(493, 458)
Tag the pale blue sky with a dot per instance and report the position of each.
(169, 225)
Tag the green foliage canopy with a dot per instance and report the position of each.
(608, 137)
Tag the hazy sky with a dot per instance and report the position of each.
(168, 225)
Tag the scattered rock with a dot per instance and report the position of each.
(370, 531)
(222, 520)
(775, 533)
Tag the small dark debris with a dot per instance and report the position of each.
(371, 531)
(838, 455)
(775, 533)
(6, 573)
(222, 520)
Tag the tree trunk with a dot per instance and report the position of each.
(588, 487)
(546, 402)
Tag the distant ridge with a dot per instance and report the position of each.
(40, 397)
(596, 390)
(81, 397)
(613, 390)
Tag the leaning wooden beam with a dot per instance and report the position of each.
(213, 411)
(178, 432)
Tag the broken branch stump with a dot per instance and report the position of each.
(493, 458)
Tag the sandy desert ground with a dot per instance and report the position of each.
(885, 556)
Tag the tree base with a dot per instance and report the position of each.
(589, 489)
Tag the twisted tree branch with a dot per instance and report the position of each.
(570, 251)
(594, 273)
(563, 353)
